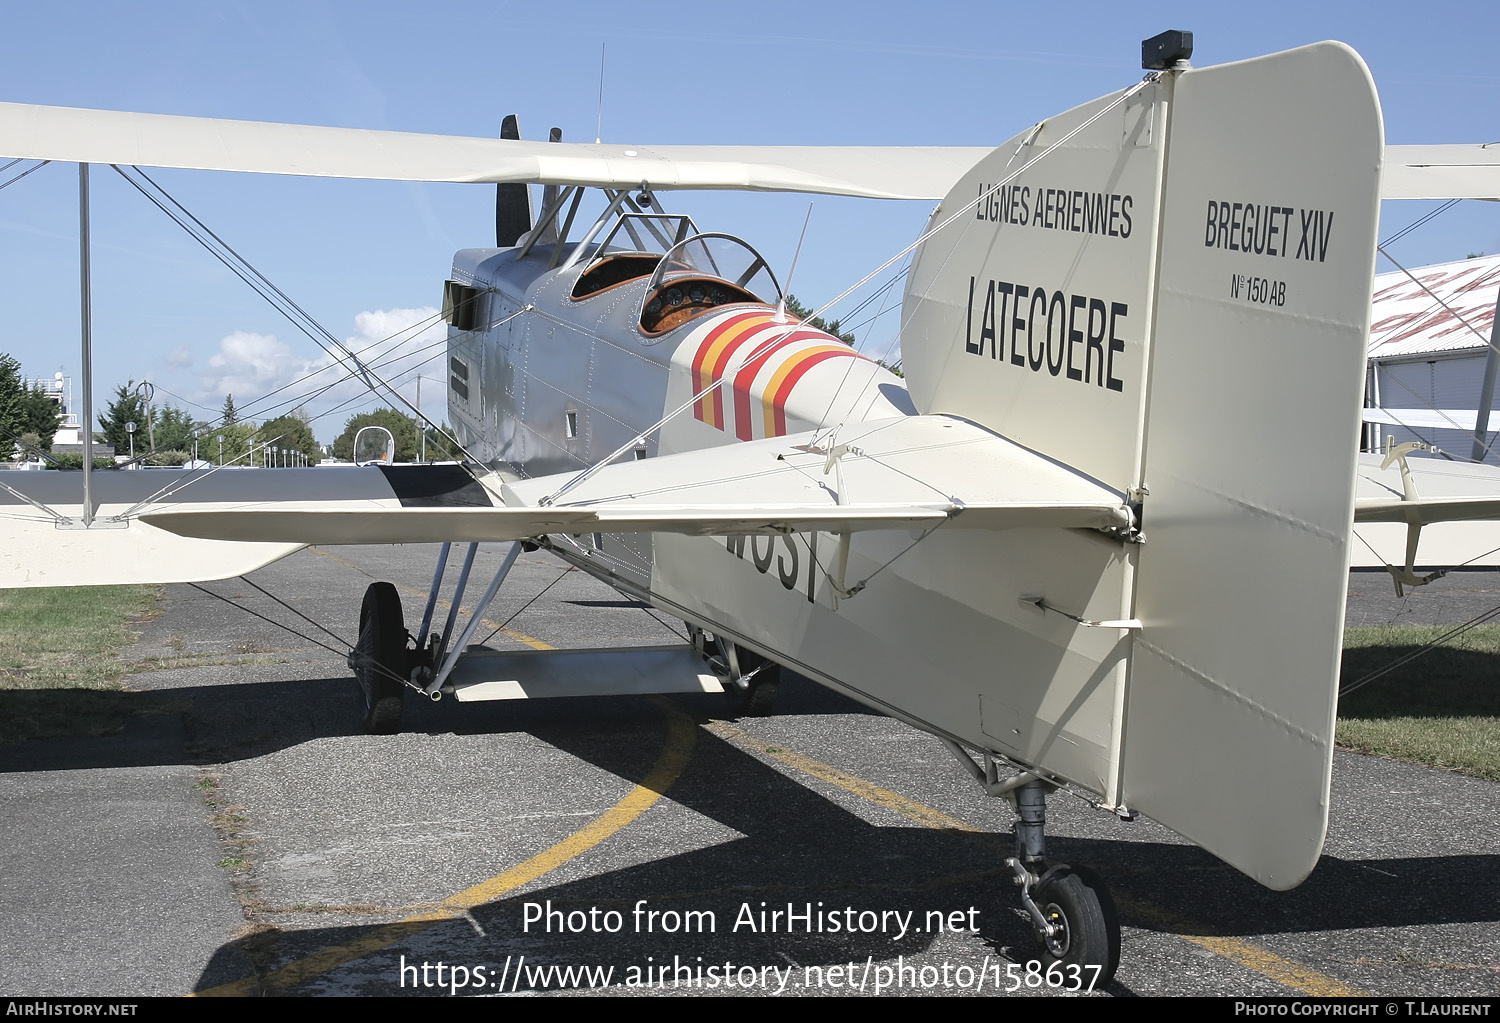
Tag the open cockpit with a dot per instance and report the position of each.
(688, 272)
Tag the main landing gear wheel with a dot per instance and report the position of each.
(379, 659)
(1085, 926)
(758, 698)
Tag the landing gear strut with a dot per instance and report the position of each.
(1071, 911)
(1070, 908)
(750, 679)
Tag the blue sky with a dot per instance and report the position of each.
(366, 258)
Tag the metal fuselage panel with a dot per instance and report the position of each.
(923, 641)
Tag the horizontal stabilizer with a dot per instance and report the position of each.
(436, 525)
(77, 135)
(909, 473)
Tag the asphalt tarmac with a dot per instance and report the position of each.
(241, 835)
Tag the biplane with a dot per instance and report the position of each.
(1048, 544)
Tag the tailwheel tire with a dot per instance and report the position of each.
(1087, 927)
(379, 659)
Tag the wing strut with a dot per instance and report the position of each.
(1407, 576)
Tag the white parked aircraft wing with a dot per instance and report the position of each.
(1456, 503)
(909, 473)
(1424, 418)
(1441, 172)
(1445, 492)
(76, 135)
(44, 542)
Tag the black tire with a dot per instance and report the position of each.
(759, 700)
(1075, 899)
(380, 659)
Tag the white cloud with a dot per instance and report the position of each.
(248, 364)
(396, 343)
(180, 357)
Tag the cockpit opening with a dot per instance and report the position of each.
(701, 273)
(690, 272)
(611, 270)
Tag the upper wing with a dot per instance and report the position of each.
(911, 473)
(34, 132)
(76, 135)
(1441, 172)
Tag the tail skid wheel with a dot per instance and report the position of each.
(1085, 925)
(379, 659)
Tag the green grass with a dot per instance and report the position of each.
(60, 664)
(1441, 709)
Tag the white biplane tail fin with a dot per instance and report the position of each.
(1187, 322)
(1261, 320)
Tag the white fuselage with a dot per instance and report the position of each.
(937, 638)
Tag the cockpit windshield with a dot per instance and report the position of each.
(724, 256)
(646, 232)
(700, 274)
(690, 272)
(686, 251)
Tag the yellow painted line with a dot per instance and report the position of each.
(1250, 956)
(894, 801)
(515, 634)
(682, 733)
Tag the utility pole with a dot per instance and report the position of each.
(88, 355)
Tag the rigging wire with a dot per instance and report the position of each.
(246, 271)
(299, 614)
(1453, 633)
(250, 408)
(523, 607)
(1409, 228)
(272, 621)
(23, 174)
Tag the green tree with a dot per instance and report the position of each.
(403, 428)
(230, 415)
(442, 445)
(14, 405)
(804, 314)
(24, 409)
(288, 433)
(40, 414)
(173, 429)
(128, 407)
(238, 437)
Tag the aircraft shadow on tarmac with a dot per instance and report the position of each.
(240, 720)
(799, 846)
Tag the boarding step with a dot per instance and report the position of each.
(622, 671)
